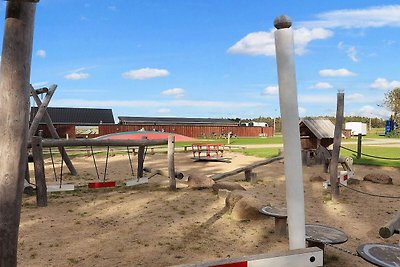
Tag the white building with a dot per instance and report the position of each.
(356, 128)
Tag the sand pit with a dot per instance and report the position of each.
(149, 225)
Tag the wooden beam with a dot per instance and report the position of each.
(141, 156)
(40, 177)
(393, 226)
(42, 109)
(100, 142)
(337, 140)
(40, 90)
(14, 109)
(220, 176)
(53, 131)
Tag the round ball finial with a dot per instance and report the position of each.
(282, 22)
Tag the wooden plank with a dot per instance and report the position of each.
(40, 178)
(62, 188)
(14, 109)
(171, 162)
(133, 182)
(98, 142)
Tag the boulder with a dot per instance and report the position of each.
(379, 178)
(244, 205)
(199, 182)
(231, 186)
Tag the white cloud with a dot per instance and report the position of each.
(322, 85)
(263, 43)
(271, 90)
(352, 53)
(145, 73)
(41, 53)
(336, 73)
(378, 16)
(164, 110)
(302, 111)
(39, 84)
(178, 92)
(384, 84)
(77, 76)
(112, 8)
(371, 111)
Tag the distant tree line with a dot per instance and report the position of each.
(375, 122)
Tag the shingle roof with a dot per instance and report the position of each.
(80, 116)
(174, 120)
(320, 128)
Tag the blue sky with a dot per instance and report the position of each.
(214, 58)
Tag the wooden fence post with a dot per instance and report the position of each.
(141, 156)
(171, 162)
(359, 145)
(40, 177)
(14, 109)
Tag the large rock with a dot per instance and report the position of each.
(379, 178)
(231, 186)
(199, 182)
(244, 205)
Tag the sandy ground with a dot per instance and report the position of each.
(148, 225)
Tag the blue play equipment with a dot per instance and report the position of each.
(389, 126)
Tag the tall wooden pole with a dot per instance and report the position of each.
(14, 110)
(337, 140)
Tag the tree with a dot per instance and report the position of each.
(392, 101)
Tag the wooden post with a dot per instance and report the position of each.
(40, 178)
(141, 159)
(14, 109)
(337, 139)
(171, 162)
(53, 131)
(359, 145)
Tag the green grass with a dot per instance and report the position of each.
(262, 152)
(388, 152)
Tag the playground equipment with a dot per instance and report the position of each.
(104, 183)
(208, 152)
(37, 145)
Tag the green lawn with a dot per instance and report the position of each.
(387, 152)
(262, 152)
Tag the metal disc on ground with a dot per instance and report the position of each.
(385, 255)
(324, 234)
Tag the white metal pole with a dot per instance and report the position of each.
(290, 129)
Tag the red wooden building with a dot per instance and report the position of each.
(90, 122)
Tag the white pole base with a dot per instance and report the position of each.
(305, 257)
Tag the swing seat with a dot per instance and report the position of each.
(133, 182)
(58, 188)
(94, 185)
